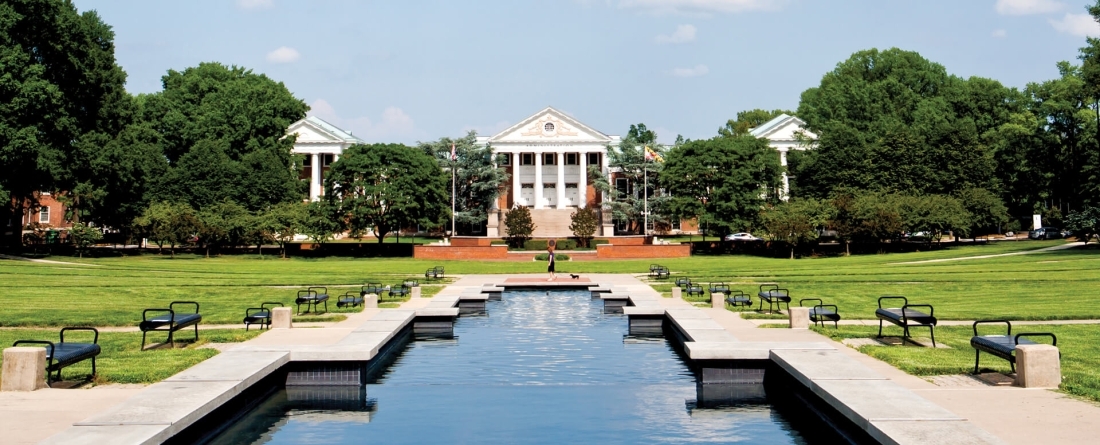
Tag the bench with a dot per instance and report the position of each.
(774, 295)
(663, 273)
(260, 315)
(63, 353)
(653, 268)
(821, 312)
(351, 299)
(738, 298)
(372, 288)
(1003, 346)
(906, 317)
(311, 297)
(399, 291)
(716, 288)
(411, 282)
(695, 290)
(170, 320)
(434, 273)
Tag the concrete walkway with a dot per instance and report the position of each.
(978, 257)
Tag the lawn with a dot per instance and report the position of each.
(123, 361)
(1079, 345)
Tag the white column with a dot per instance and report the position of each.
(538, 179)
(582, 182)
(315, 178)
(516, 185)
(786, 182)
(560, 156)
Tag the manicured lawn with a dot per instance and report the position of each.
(1079, 345)
(123, 361)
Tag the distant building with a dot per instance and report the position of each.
(785, 133)
(322, 143)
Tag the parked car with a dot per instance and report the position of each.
(743, 236)
(1045, 233)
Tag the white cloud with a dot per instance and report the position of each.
(255, 4)
(1028, 7)
(682, 34)
(1000, 33)
(1081, 25)
(284, 54)
(394, 124)
(698, 70)
(701, 6)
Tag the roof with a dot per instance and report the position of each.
(345, 136)
(768, 126)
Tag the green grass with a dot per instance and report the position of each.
(1079, 345)
(123, 361)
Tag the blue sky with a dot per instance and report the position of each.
(417, 70)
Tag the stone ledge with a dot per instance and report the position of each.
(743, 350)
(437, 312)
(808, 366)
(101, 434)
(639, 310)
(930, 433)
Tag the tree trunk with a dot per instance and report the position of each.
(847, 252)
(172, 250)
(792, 252)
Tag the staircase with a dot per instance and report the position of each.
(552, 223)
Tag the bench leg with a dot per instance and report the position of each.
(977, 353)
(93, 366)
(196, 332)
(326, 306)
(880, 328)
(932, 332)
(143, 339)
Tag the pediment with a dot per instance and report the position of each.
(314, 130)
(307, 134)
(784, 128)
(550, 126)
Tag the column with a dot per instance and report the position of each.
(560, 156)
(516, 185)
(582, 182)
(315, 178)
(785, 194)
(538, 179)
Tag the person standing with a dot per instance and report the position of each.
(550, 258)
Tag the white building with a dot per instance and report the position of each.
(785, 133)
(322, 143)
(547, 156)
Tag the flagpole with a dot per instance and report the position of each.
(454, 165)
(645, 189)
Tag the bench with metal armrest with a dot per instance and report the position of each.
(312, 297)
(774, 295)
(351, 299)
(260, 315)
(821, 312)
(169, 319)
(372, 288)
(738, 298)
(64, 353)
(906, 316)
(1003, 346)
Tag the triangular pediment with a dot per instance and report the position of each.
(314, 130)
(550, 126)
(783, 128)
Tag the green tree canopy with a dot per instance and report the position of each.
(477, 179)
(720, 181)
(747, 120)
(60, 84)
(223, 133)
(385, 187)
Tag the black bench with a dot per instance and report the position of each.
(774, 295)
(311, 297)
(170, 320)
(906, 317)
(399, 291)
(434, 273)
(63, 353)
(738, 298)
(351, 299)
(683, 283)
(695, 290)
(411, 282)
(653, 268)
(260, 315)
(663, 273)
(372, 288)
(821, 312)
(719, 288)
(1003, 346)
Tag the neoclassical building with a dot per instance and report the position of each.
(547, 156)
(322, 143)
(785, 133)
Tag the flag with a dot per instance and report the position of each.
(454, 157)
(651, 155)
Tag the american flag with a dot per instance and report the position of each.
(454, 157)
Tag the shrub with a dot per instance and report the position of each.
(535, 244)
(519, 225)
(498, 242)
(584, 223)
(546, 257)
(597, 242)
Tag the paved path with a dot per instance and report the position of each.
(762, 321)
(1026, 252)
(35, 260)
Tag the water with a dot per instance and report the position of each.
(540, 368)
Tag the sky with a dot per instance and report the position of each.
(418, 70)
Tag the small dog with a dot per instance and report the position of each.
(574, 276)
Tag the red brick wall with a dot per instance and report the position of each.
(607, 251)
(628, 240)
(471, 241)
(57, 213)
(460, 253)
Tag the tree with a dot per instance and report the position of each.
(321, 221)
(520, 226)
(168, 223)
(84, 236)
(1084, 223)
(223, 133)
(796, 221)
(225, 224)
(892, 120)
(282, 221)
(720, 180)
(385, 187)
(747, 120)
(987, 212)
(628, 200)
(60, 84)
(933, 215)
(477, 179)
(583, 223)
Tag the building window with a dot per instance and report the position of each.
(622, 186)
(549, 159)
(676, 224)
(527, 159)
(504, 159)
(572, 159)
(549, 127)
(326, 160)
(570, 185)
(593, 159)
(550, 185)
(527, 186)
(308, 162)
(44, 215)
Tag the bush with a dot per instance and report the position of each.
(597, 242)
(534, 244)
(584, 224)
(519, 225)
(546, 257)
(498, 242)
